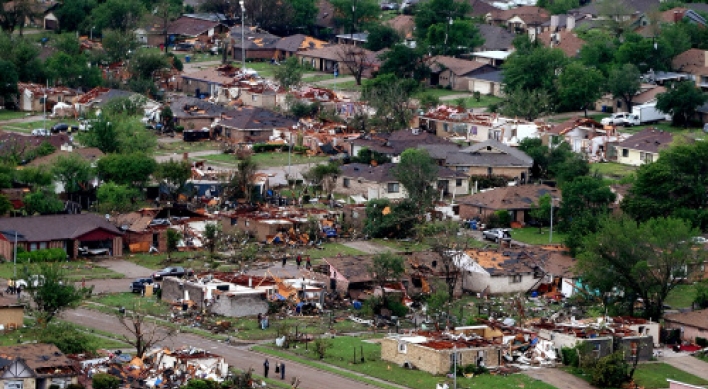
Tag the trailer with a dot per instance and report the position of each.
(647, 113)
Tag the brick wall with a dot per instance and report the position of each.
(12, 315)
(513, 172)
(477, 282)
(234, 306)
(435, 361)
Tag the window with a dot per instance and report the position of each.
(625, 153)
(402, 347)
(490, 171)
(446, 127)
(346, 182)
(641, 156)
(394, 187)
(460, 169)
(254, 97)
(648, 157)
(456, 356)
(14, 385)
(458, 182)
(515, 279)
(42, 245)
(33, 246)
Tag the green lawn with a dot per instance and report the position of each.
(530, 235)
(439, 92)
(681, 297)
(329, 250)
(316, 77)
(483, 102)
(344, 86)
(611, 170)
(342, 352)
(267, 159)
(29, 126)
(8, 115)
(150, 305)
(652, 375)
(187, 259)
(75, 271)
(31, 332)
(185, 147)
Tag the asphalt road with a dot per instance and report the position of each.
(237, 356)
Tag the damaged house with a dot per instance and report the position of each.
(493, 272)
(517, 200)
(252, 124)
(588, 137)
(35, 366)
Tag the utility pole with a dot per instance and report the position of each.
(447, 31)
(243, 35)
(550, 236)
(454, 368)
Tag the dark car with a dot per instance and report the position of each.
(176, 271)
(138, 285)
(60, 127)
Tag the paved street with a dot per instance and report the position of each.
(689, 364)
(238, 356)
(558, 378)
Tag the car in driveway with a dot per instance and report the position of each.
(40, 132)
(138, 285)
(497, 234)
(173, 271)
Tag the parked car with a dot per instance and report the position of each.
(172, 272)
(621, 119)
(40, 132)
(389, 6)
(497, 234)
(138, 285)
(60, 127)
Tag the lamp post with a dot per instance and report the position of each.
(351, 33)
(447, 31)
(91, 37)
(550, 236)
(243, 35)
(454, 368)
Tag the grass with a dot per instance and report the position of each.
(681, 297)
(188, 259)
(29, 126)
(345, 86)
(398, 245)
(75, 271)
(530, 235)
(615, 171)
(31, 332)
(331, 250)
(483, 102)
(150, 305)
(9, 115)
(267, 159)
(438, 92)
(341, 353)
(651, 375)
(185, 147)
(316, 77)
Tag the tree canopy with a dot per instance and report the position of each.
(681, 101)
(51, 291)
(418, 173)
(132, 169)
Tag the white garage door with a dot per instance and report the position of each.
(482, 87)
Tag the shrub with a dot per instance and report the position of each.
(703, 342)
(67, 338)
(179, 128)
(397, 308)
(570, 356)
(105, 381)
(610, 371)
(43, 255)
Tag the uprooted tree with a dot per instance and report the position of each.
(143, 335)
(356, 59)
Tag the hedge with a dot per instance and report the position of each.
(43, 255)
(267, 147)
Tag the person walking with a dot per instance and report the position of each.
(308, 265)
(285, 260)
(298, 261)
(277, 368)
(282, 371)
(266, 366)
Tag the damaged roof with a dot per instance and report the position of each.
(523, 260)
(185, 107)
(44, 359)
(299, 42)
(510, 198)
(255, 118)
(191, 26)
(489, 153)
(397, 142)
(354, 268)
(648, 140)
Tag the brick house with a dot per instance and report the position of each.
(208, 81)
(12, 316)
(695, 63)
(68, 232)
(693, 324)
(454, 72)
(643, 147)
(517, 200)
(248, 124)
(193, 113)
(520, 20)
(35, 366)
(486, 158)
(203, 28)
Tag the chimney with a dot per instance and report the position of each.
(569, 22)
(554, 23)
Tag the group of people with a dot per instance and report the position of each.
(263, 321)
(279, 369)
(13, 287)
(298, 261)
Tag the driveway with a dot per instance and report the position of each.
(178, 157)
(127, 268)
(368, 247)
(237, 356)
(558, 378)
(689, 364)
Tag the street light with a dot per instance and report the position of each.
(351, 36)
(91, 38)
(447, 31)
(550, 236)
(243, 34)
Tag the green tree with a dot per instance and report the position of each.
(72, 70)
(527, 104)
(405, 62)
(558, 7)
(42, 202)
(418, 172)
(386, 268)
(174, 174)
(438, 13)
(144, 62)
(624, 83)
(586, 200)
(644, 259)
(173, 238)
(381, 36)
(598, 51)
(114, 197)
(681, 101)
(367, 155)
(289, 73)
(120, 15)
(615, 16)
(72, 171)
(389, 96)
(73, 13)
(112, 133)
(67, 338)
(674, 185)
(536, 70)
(24, 54)
(8, 80)
(211, 236)
(126, 169)
(323, 176)
(460, 37)
(387, 220)
(541, 212)
(37, 177)
(118, 45)
(242, 181)
(611, 371)
(105, 381)
(52, 292)
(5, 205)
(354, 14)
(579, 86)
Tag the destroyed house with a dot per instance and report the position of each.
(35, 366)
(547, 271)
(195, 27)
(424, 268)
(31, 96)
(278, 225)
(193, 113)
(349, 274)
(447, 121)
(252, 124)
(209, 81)
(194, 362)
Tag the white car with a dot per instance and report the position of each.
(621, 119)
(40, 132)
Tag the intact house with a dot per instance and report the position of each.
(31, 97)
(372, 182)
(520, 20)
(517, 200)
(566, 40)
(487, 83)
(256, 45)
(691, 324)
(35, 366)
(454, 72)
(196, 28)
(518, 270)
(496, 38)
(252, 124)
(646, 95)
(643, 147)
(486, 158)
(695, 63)
(75, 233)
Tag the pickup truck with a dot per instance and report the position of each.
(138, 285)
(176, 271)
(621, 119)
